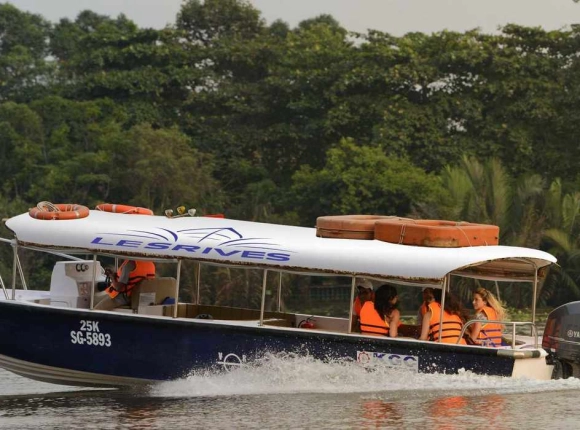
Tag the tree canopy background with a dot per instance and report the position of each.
(223, 112)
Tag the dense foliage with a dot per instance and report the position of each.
(223, 112)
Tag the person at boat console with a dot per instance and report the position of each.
(454, 317)
(487, 307)
(123, 281)
(382, 315)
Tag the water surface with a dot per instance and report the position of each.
(298, 393)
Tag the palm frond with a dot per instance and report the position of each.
(570, 208)
(559, 239)
(553, 203)
(499, 192)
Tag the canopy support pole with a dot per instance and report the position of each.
(350, 312)
(280, 292)
(177, 288)
(92, 302)
(443, 290)
(3, 288)
(14, 269)
(534, 299)
(263, 305)
(198, 283)
(24, 286)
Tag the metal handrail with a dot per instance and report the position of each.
(4, 288)
(513, 325)
(18, 265)
(21, 272)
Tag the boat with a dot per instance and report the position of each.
(58, 336)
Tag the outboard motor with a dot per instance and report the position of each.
(562, 340)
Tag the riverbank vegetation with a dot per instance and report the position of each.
(223, 112)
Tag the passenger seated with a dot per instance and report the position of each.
(129, 274)
(487, 307)
(427, 299)
(453, 319)
(382, 315)
(364, 293)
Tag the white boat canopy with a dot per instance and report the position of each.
(271, 246)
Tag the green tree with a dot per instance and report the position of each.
(361, 180)
(149, 72)
(514, 87)
(205, 22)
(529, 214)
(76, 148)
(21, 136)
(487, 193)
(23, 49)
(159, 169)
(58, 149)
(266, 114)
(423, 77)
(562, 240)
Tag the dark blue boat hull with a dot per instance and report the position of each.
(153, 349)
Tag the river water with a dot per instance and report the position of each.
(297, 393)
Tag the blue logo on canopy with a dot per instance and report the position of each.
(218, 242)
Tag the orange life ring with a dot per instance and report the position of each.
(123, 209)
(436, 233)
(61, 211)
(348, 226)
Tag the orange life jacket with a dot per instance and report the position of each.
(371, 321)
(143, 270)
(452, 325)
(490, 333)
(357, 305)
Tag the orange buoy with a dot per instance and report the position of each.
(123, 209)
(348, 226)
(60, 211)
(436, 233)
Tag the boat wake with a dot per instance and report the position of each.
(290, 374)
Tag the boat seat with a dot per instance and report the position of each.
(162, 287)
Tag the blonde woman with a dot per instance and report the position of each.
(487, 307)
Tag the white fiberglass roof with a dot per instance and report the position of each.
(232, 242)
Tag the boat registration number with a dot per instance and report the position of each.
(89, 333)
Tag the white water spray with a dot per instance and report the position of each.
(288, 373)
